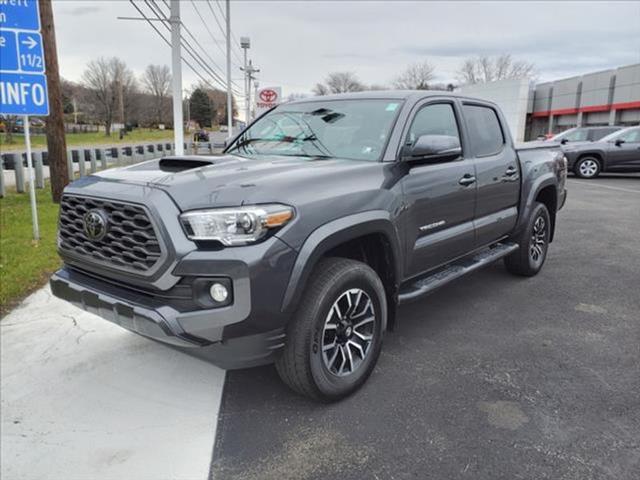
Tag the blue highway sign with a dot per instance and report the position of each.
(23, 94)
(30, 56)
(23, 84)
(19, 14)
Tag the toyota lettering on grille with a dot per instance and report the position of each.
(95, 225)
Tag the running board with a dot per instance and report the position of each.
(455, 270)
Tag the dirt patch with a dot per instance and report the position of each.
(503, 414)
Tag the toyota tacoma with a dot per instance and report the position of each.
(298, 242)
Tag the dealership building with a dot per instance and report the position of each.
(610, 97)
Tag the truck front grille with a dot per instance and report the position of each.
(130, 242)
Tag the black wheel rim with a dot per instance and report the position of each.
(348, 332)
(538, 243)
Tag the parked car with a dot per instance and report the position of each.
(618, 152)
(201, 136)
(583, 134)
(298, 243)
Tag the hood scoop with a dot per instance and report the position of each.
(174, 165)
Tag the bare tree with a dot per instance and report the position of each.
(483, 69)
(109, 82)
(415, 77)
(339, 82)
(157, 81)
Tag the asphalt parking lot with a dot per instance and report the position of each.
(491, 377)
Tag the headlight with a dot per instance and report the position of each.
(235, 226)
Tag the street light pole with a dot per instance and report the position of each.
(229, 98)
(176, 71)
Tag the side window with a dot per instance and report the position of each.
(485, 132)
(578, 135)
(598, 133)
(435, 119)
(632, 136)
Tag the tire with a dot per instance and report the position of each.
(528, 260)
(587, 167)
(309, 364)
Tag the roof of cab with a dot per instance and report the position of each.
(413, 95)
(394, 94)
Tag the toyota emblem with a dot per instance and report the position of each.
(95, 225)
(268, 95)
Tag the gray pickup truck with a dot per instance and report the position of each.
(297, 244)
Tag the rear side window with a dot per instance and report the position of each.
(484, 130)
(598, 133)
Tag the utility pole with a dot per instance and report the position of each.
(245, 43)
(176, 71)
(250, 78)
(56, 141)
(256, 85)
(121, 100)
(229, 98)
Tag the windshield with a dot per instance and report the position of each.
(572, 135)
(350, 129)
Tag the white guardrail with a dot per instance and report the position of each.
(87, 160)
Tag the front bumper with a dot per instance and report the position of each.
(245, 333)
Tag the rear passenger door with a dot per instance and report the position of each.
(439, 197)
(497, 172)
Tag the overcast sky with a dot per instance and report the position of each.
(295, 43)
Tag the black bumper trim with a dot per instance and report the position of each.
(138, 319)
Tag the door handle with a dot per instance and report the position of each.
(468, 179)
(511, 171)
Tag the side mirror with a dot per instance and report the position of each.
(619, 142)
(564, 141)
(541, 138)
(433, 149)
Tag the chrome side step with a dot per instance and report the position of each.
(455, 270)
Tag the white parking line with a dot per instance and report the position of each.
(593, 184)
(85, 399)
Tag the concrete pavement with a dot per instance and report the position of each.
(84, 399)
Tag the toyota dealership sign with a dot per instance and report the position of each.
(267, 98)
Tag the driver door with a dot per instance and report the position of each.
(626, 155)
(440, 208)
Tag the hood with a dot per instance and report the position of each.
(204, 182)
(569, 146)
(537, 144)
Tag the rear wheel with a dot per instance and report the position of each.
(527, 261)
(587, 167)
(334, 340)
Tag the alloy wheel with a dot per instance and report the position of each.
(588, 168)
(538, 239)
(348, 332)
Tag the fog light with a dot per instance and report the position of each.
(218, 292)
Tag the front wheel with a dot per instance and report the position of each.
(334, 340)
(527, 261)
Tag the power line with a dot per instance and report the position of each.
(194, 70)
(185, 43)
(222, 29)
(215, 40)
(160, 15)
